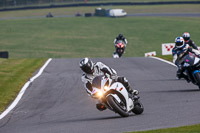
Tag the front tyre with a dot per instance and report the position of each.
(116, 106)
(197, 77)
(138, 108)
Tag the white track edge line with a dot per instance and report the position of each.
(164, 60)
(19, 96)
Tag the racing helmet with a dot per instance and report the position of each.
(186, 36)
(179, 42)
(120, 36)
(87, 65)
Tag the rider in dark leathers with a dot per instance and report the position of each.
(91, 70)
(119, 37)
(178, 52)
(186, 37)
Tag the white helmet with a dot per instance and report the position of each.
(179, 42)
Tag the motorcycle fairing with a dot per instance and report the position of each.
(117, 86)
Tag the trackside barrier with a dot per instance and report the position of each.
(153, 53)
(4, 54)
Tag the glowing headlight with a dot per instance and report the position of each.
(106, 88)
(100, 93)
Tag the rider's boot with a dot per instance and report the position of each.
(180, 74)
(186, 78)
(115, 55)
(100, 106)
(134, 94)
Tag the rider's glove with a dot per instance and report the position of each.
(135, 92)
(114, 77)
(198, 56)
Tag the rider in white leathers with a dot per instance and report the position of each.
(91, 70)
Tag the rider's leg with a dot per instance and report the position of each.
(180, 74)
(126, 84)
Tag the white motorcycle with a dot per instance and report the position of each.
(114, 96)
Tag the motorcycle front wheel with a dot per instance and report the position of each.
(117, 107)
(197, 77)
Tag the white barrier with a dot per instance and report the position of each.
(153, 53)
(167, 48)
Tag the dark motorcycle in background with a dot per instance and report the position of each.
(120, 48)
(191, 65)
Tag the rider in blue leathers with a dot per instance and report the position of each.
(178, 52)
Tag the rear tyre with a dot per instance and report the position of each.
(138, 108)
(116, 106)
(197, 76)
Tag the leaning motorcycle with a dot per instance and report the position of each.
(114, 96)
(120, 47)
(191, 65)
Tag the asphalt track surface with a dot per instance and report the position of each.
(56, 102)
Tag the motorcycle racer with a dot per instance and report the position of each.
(186, 37)
(178, 52)
(91, 70)
(123, 39)
(120, 37)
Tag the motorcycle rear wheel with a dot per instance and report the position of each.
(138, 108)
(116, 106)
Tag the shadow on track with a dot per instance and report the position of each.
(164, 91)
(88, 119)
(160, 80)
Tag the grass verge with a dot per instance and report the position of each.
(14, 73)
(166, 57)
(185, 129)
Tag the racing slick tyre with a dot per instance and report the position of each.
(138, 108)
(197, 76)
(117, 107)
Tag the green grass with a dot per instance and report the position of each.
(93, 37)
(166, 57)
(185, 129)
(14, 73)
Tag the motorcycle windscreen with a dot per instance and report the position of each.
(96, 82)
(189, 59)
